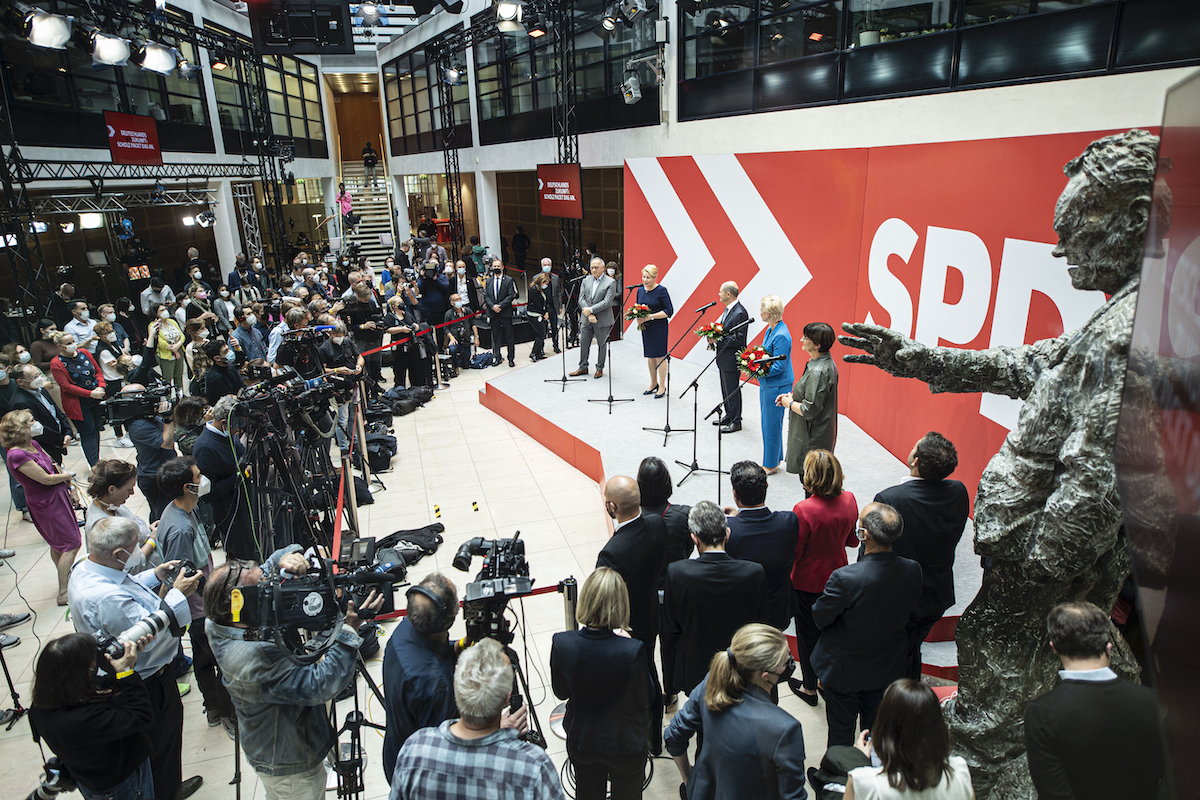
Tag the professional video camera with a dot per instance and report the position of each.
(145, 404)
(505, 575)
(55, 780)
(280, 606)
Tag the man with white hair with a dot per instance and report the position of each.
(473, 757)
(597, 298)
(105, 600)
(219, 455)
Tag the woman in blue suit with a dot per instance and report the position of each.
(777, 342)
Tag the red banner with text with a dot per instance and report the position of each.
(132, 139)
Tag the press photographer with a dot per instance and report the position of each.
(98, 726)
(285, 732)
(107, 602)
(152, 435)
(364, 320)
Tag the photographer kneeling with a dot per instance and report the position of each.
(106, 601)
(98, 726)
(285, 732)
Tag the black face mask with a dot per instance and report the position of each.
(789, 669)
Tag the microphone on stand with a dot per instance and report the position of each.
(739, 325)
(705, 308)
(632, 286)
(771, 359)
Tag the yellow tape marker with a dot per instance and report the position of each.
(475, 505)
(437, 511)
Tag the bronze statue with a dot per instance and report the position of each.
(1047, 511)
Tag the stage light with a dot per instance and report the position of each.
(455, 75)
(508, 16)
(155, 57)
(369, 13)
(189, 72)
(37, 226)
(534, 25)
(10, 240)
(609, 20)
(816, 37)
(631, 89)
(51, 31)
(189, 221)
(218, 60)
(206, 219)
(109, 51)
(67, 227)
(632, 9)
(91, 221)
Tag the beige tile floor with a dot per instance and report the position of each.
(453, 453)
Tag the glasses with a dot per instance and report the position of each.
(788, 670)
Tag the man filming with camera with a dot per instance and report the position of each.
(285, 731)
(154, 440)
(106, 600)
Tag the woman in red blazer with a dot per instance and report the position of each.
(82, 385)
(827, 522)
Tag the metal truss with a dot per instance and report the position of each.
(22, 246)
(243, 197)
(566, 127)
(120, 202)
(33, 171)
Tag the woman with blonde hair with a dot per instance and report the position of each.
(110, 486)
(654, 296)
(614, 707)
(828, 517)
(752, 747)
(777, 341)
(166, 337)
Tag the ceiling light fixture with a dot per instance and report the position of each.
(206, 218)
(509, 14)
(369, 12)
(109, 50)
(534, 25)
(218, 60)
(454, 75)
(38, 226)
(67, 227)
(189, 221)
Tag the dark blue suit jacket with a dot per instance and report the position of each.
(231, 514)
(729, 347)
(768, 538)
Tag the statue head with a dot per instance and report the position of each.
(1101, 216)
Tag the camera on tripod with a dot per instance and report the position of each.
(145, 404)
(505, 575)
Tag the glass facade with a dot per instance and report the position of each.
(414, 116)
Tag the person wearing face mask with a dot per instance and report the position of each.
(42, 352)
(48, 492)
(499, 294)
(222, 377)
(167, 339)
(82, 385)
(254, 348)
(197, 334)
(219, 455)
(30, 394)
(108, 313)
(82, 327)
(61, 303)
(131, 327)
(434, 286)
(110, 487)
(247, 292)
(340, 356)
(466, 285)
(154, 440)
(138, 369)
(197, 270)
(408, 359)
(200, 306)
(223, 307)
(461, 334)
(105, 601)
(157, 292)
(536, 312)
(182, 536)
(107, 352)
(554, 309)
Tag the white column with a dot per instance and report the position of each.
(400, 201)
(226, 230)
(489, 210)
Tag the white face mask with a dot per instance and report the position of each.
(203, 487)
(224, 293)
(546, 269)
(25, 357)
(164, 314)
(85, 315)
(251, 320)
(612, 272)
(462, 271)
(196, 275)
(135, 360)
(204, 334)
(110, 317)
(134, 561)
(110, 337)
(36, 429)
(38, 383)
(3, 375)
(337, 339)
(70, 351)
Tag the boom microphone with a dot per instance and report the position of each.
(705, 308)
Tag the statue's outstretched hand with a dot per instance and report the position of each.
(885, 348)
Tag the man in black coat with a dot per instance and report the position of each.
(727, 353)
(499, 294)
(707, 599)
(934, 511)
(637, 550)
(756, 533)
(29, 394)
(223, 465)
(1094, 735)
(862, 615)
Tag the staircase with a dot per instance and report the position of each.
(374, 205)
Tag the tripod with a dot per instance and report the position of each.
(350, 764)
(534, 735)
(608, 352)
(565, 379)
(667, 430)
(720, 434)
(695, 467)
(19, 710)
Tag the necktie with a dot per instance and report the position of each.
(496, 288)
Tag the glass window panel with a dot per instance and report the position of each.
(408, 103)
(39, 86)
(487, 86)
(420, 82)
(310, 90)
(308, 71)
(177, 85)
(97, 96)
(279, 125)
(545, 93)
(491, 106)
(275, 104)
(722, 50)
(422, 101)
(292, 85)
(462, 113)
(521, 98)
(885, 24)
(136, 76)
(515, 44)
(712, 19)
(487, 52)
(316, 130)
(590, 82)
(543, 64)
(806, 32)
(231, 117)
(271, 61)
(425, 122)
(396, 127)
(188, 110)
(312, 111)
(518, 71)
(274, 81)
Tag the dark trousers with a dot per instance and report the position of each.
(89, 428)
(593, 771)
(552, 330)
(166, 733)
(148, 486)
(917, 630)
(408, 362)
(372, 364)
(461, 352)
(731, 390)
(806, 636)
(539, 337)
(502, 324)
(112, 389)
(208, 675)
(669, 652)
(843, 709)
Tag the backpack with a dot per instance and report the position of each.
(483, 360)
(381, 449)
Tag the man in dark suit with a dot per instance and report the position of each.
(56, 428)
(1094, 735)
(707, 599)
(637, 550)
(727, 353)
(756, 533)
(223, 465)
(934, 511)
(499, 294)
(863, 646)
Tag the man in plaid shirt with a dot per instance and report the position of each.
(473, 758)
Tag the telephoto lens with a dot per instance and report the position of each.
(150, 625)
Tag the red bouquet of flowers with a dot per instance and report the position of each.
(711, 333)
(639, 312)
(750, 362)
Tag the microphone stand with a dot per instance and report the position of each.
(565, 379)
(667, 430)
(608, 358)
(720, 435)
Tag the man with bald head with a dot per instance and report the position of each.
(637, 550)
(728, 348)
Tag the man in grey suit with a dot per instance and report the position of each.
(596, 301)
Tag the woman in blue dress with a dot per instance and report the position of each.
(654, 329)
(777, 342)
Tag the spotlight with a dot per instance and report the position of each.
(609, 20)
(218, 61)
(632, 9)
(508, 16)
(534, 25)
(189, 221)
(189, 72)
(37, 226)
(10, 240)
(369, 13)
(67, 227)
(155, 57)
(631, 89)
(109, 51)
(454, 75)
(44, 29)
(91, 221)
(206, 218)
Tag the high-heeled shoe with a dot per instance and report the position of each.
(651, 390)
(659, 395)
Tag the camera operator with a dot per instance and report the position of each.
(418, 669)
(223, 468)
(364, 320)
(285, 731)
(461, 332)
(297, 350)
(339, 356)
(251, 341)
(409, 358)
(154, 440)
(222, 377)
(275, 337)
(434, 286)
(97, 726)
(182, 537)
(107, 601)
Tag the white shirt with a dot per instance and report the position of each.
(82, 331)
(725, 313)
(1101, 674)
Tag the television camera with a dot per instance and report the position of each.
(505, 575)
(151, 402)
